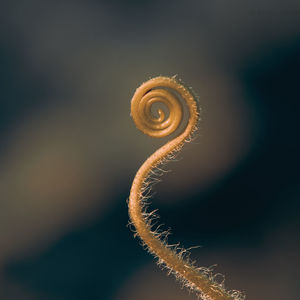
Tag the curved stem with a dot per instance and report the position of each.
(197, 280)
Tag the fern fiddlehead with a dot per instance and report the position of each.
(167, 91)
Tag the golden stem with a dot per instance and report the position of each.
(166, 90)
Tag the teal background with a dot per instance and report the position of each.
(69, 150)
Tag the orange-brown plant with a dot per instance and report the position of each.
(167, 91)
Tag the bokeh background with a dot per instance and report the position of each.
(69, 150)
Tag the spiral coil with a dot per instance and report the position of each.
(163, 90)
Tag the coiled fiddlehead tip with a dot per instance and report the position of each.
(167, 91)
(162, 90)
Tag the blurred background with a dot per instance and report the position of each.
(69, 149)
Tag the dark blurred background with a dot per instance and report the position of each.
(69, 150)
